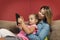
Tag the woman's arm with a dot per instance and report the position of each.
(44, 31)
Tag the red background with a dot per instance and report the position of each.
(8, 8)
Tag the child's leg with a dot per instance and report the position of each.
(23, 36)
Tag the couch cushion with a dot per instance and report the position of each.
(55, 35)
(10, 25)
(7, 24)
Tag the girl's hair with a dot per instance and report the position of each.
(36, 17)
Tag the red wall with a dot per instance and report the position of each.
(8, 8)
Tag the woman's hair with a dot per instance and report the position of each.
(47, 14)
(45, 7)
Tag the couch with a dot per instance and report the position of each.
(55, 34)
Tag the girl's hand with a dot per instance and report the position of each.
(21, 20)
(19, 26)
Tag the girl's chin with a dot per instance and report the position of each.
(31, 23)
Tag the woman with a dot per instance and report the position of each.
(44, 25)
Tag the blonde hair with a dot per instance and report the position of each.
(48, 15)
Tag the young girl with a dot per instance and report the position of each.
(28, 29)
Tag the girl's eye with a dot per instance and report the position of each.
(31, 18)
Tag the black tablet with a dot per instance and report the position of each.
(17, 16)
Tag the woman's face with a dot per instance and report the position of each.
(41, 13)
(32, 19)
(42, 10)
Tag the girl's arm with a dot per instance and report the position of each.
(25, 28)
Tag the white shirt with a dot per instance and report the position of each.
(5, 32)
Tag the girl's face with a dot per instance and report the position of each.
(32, 19)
